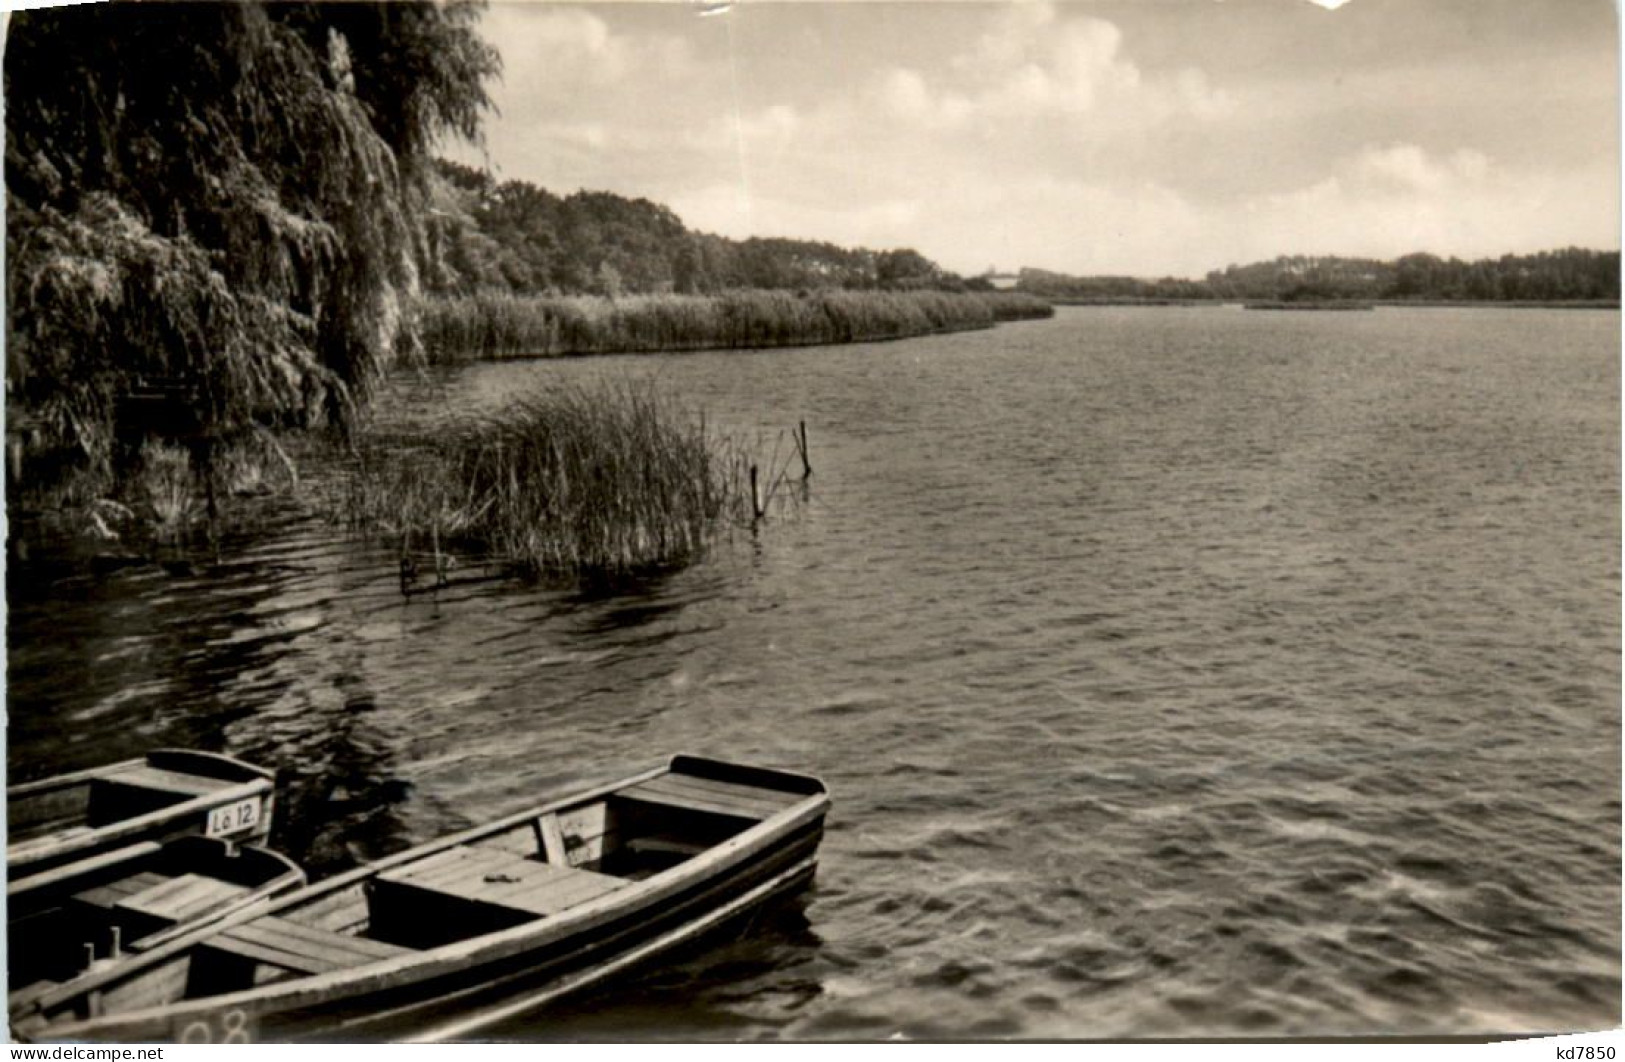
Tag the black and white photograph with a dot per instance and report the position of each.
(842, 521)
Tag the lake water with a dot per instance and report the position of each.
(1176, 672)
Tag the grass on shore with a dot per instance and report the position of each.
(499, 325)
(611, 480)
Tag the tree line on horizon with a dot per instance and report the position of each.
(513, 237)
(1568, 275)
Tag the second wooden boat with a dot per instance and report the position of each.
(455, 937)
(168, 793)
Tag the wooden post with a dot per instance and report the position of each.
(440, 563)
(756, 494)
(806, 461)
(409, 567)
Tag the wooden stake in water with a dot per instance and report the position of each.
(806, 461)
(409, 566)
(756, 495)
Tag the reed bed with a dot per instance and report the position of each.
(609, 480)
(485, 326)
(1017, 305)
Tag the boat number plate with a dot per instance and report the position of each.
(233, 818)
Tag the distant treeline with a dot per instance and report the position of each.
(1569, 275)
(515, 237)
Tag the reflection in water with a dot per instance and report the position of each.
(608, 605)
(339, 780)
(186, 653)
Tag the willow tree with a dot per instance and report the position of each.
(224, 194)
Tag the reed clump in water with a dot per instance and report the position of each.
(476, 327)
(579, 481)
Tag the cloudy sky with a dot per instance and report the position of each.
(1147, 137)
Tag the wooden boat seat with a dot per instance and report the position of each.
(495, 876)
(303, 949)
(469, 890)
(703, 794)
(181, 898)
(109, 895)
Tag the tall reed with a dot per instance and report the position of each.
(486, 326)
(609, 480)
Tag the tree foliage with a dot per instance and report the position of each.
(228, 194)
(515, 237)
(1570, 274)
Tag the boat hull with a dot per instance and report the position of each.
(462, 992)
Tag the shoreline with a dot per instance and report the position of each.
(1442, 304)
(484, 327)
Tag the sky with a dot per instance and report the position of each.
(1140, 137)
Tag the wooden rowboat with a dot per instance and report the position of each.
(466, 932)
(101, 910)
(169, 793)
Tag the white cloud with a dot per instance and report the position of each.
(731, 208)
(1406, 167)
(904, 94)
(1034, 67)
(548, 49)
(982, 143)
(1034, 91)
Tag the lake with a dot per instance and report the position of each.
(1176, 672)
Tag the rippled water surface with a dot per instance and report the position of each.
(1175, 672)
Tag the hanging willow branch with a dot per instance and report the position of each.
(225, 194)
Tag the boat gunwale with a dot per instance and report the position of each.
(396, 971)
(71, 779)
(45, 879)
(107, 770)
